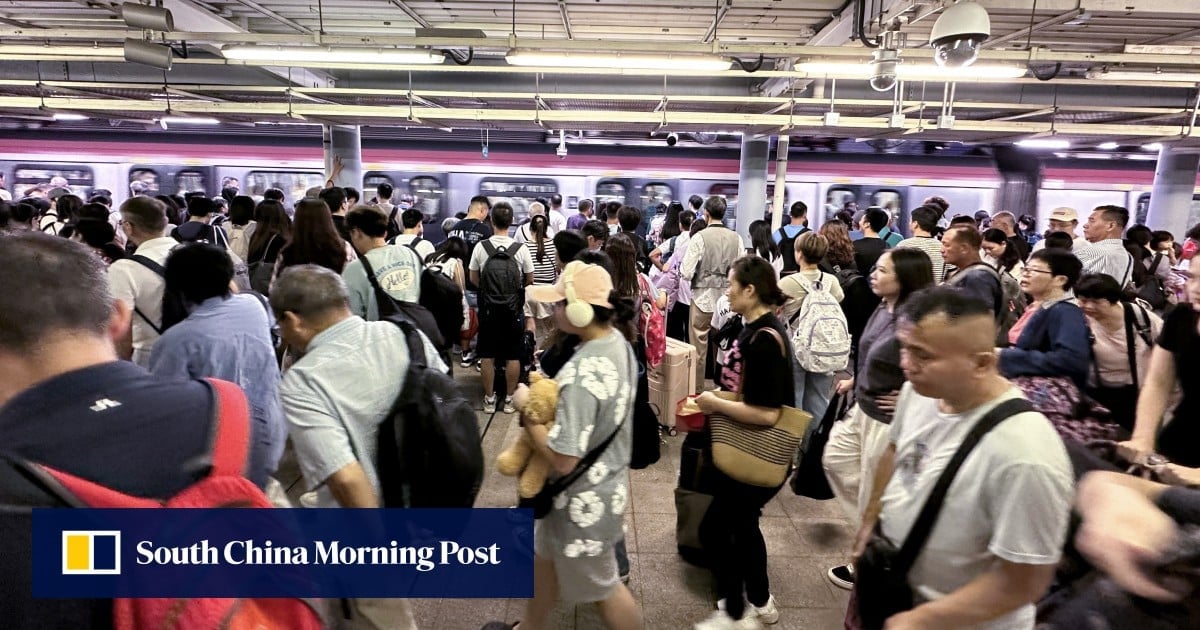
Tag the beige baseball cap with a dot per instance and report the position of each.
(591, 284)
(1064, 214)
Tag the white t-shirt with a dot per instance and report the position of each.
(521, 254)
(140, 288)
(524, 233)
(424, 248)
(1011, 499)
(557, 221)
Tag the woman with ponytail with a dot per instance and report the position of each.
(539, 318)
(759, 366)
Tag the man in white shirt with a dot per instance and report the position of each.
(1062, 220)
(1105, 250)
(710, 254)
(413, 236)
(998, 537)
(558, 220)
(396, 267)
(501, 308)
(137, 283)
(924, 222)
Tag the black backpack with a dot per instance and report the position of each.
(501, 283)
(441, 296)
(429, 453)
(390, 307)
(787, 250)
(859, 301)
(1152, 289)
(174, 308)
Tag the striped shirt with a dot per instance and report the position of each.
(546, 270)
(1108, 257)
(933, 248)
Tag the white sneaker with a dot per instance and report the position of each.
(489, 404)
(508, 405)
(716, 621)
(767, 613)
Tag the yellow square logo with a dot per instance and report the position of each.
(91, 553)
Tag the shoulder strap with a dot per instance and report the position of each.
(489, 247)
(231, 428)
(162, 273)
(1154, 264)
(512, 248)
(923, 526)
(782, 233)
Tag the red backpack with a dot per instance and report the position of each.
(224, 487)
(651, 323)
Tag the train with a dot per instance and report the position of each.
(440, 179)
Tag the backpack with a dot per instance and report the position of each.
(820, 335)
(262, 270)
(668, 280)
(787, 250)
(390, 307)
(441, 296)
(501, 283)
(174, 307)
(859, 301)
(393, 226)
(224, 487)
(429, 452)
(1012, 303)
(1152, 289)
(652, 325)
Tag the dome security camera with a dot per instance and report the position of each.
(885, 60)
(672, 139)
(959, 33)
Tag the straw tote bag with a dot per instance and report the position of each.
(753, 454)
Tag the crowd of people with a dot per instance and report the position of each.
(1003, 373)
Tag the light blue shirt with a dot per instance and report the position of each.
(230, 339)
(792, 231)
(339, 392)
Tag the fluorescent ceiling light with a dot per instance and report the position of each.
(617, 61)
(189, 120)
(1153, 146)
(1107, 146)
(914, 71)
(61, 117)
(317, 54)
(27, 50)
(1044, 143)
(1149, 75)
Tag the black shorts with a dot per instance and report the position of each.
(500, 336)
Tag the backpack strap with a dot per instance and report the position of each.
(1154, 264)
(489, 247)
(231, 428)
(162, 273)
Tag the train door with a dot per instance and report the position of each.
(27, 176)
(170, 179)
(519, 192)
(612, 189)
(1142, 211)
(964, 201)
(294, 184)
(424, 191)
(856, 197)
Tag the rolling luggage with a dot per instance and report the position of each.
(672, 381)
(692, 497)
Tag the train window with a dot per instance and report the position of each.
(143, 181)
(888, 200)
(190, 181)
(519, 193)
(29, 176)
(371, 181)
(657, 193)
(427, 193)
(1142, 209)
(607, 192)
(838, 199)
(293, 184)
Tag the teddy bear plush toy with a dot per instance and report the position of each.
(519, 459)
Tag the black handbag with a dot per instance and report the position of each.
(810, 480)
(881, 573)
(542, 502)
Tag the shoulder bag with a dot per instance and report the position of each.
(759, 455)
(881, 573)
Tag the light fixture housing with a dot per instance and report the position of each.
(318, 54)
(25, 51)
(1108, 146)
(617, 61)
(1153, 146)
(188, 120)
(147, 17)
(959, 33)
(1044, 143)
(915, 71)
(149, 54)
(1144, 75)
(63, 116)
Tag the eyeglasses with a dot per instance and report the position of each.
(1028, 270)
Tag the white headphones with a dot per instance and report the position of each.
(579, 313)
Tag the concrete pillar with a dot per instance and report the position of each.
(1171, 198)
(343, 141)
(1020, 180)
(778, 211)
(752, 183)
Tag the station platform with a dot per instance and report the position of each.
(804, 538)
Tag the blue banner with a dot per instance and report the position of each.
(282, 553)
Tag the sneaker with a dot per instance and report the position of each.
(489, 404)
(468, 359)
(508, 405)
(841, 576)
(767, 613)
(716, 621)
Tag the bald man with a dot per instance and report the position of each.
(1001, 528)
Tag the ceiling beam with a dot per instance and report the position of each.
(1028, 30)
(1174, 37)
(566, 18)
(722, 11)
(17, 23)
(254, 6)
(411, 13)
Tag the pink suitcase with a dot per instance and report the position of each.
(672, 381)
